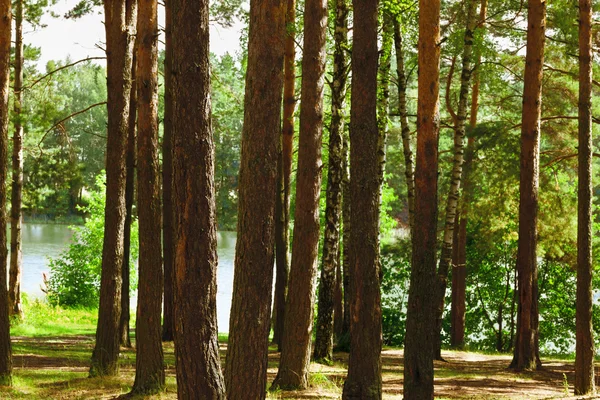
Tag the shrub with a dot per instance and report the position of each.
(75, 275)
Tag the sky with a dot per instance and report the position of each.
(80, 38)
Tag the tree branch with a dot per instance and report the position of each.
(31, 85)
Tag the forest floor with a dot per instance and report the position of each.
(56, 367)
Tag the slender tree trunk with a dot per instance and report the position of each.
(459, 273)
(16, 257)
(282, 227)
(526, 354)
(167, 188)
(149, 368)
(409, 173)
(383, 93)
(584, 353)
(338, 297)
(196, 343)
(120, 18)
(333, 209)
(249, 322)
(455, 180)
(5, 43)
(364, 364)
(296, 343)
(420, 319)
(129, 197)
(344, 339)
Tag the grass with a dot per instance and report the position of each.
(52, 349)
(42, 319)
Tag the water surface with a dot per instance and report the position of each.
(41, 241)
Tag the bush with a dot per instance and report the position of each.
(395, 262)
(75, 275)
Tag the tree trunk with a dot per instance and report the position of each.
(16, 257)
(120, 17)
(167, 185)
(364, 364)
(296, 343)
(344, 339)
(584, 353)
(149, 368)
(5, 43)
(526, 353)
(129, 197)
(282, 227)
(383, 93)
(420, 319)
(409, 173)
(196, 342)
(333, 209)
(459, 273)
(249, 322)
(456, 175)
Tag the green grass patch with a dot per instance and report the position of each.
(41, 319)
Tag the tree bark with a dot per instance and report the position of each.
(296, 344)
(364, 364)
(420, 318)
(526, 353)
(149, 368)
(16, 257)
(167, 184)
(333, 209)
(383, 93)
(344, 339)
(120, 17)
(409, 173)
(5, 43)
(456, 175)
(459, 273)
(282, 227)
(584, 350)
(249, 322)
(196, 344)
(129, 197)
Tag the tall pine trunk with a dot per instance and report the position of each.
(584, 350)
(420, 319)
(196, 343)
(296, 342)
(282, 221)
(409, 173)
(5, 43)
(167, 184)
(249, 322)
(364, 364)
(129, 197)
(526, 352)
(149, 368)
(459, 273)
(16, 257)
(333, 209)
(456, 175)
(120, 18)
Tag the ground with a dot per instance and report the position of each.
(48, 367)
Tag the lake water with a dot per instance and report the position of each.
(41, 241)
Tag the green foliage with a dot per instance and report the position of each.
(75, 275)
(395, 263)
(228, 117)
